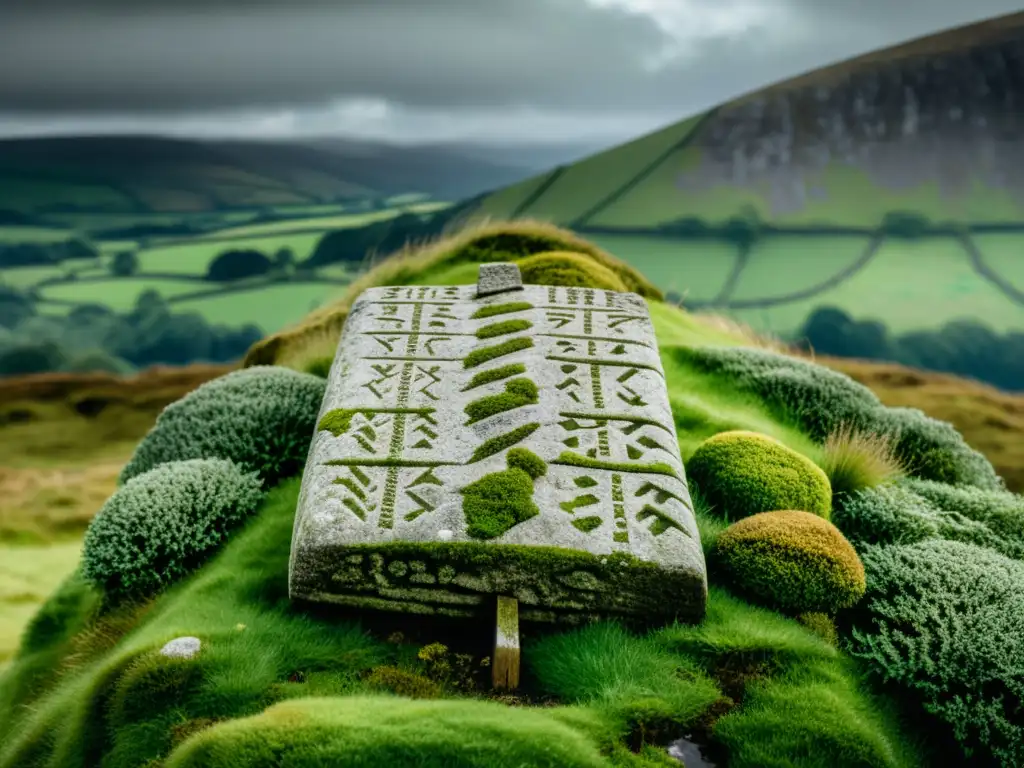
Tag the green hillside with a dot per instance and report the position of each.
(883, 630)
(877, 185)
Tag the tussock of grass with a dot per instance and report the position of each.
(854, 460)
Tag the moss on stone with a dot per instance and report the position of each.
(518, 392)
(528, 461)
(791, 560)
(497, 502)
(339, 420)
(501, 442)
(568, 458)
(486, 354)
(503, 328)
(743, 473)
(587, 524)
(495, 374)
(569, 269)
(545, 580)
(492, 310)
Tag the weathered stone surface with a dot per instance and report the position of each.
(182, 648)
(418, 494)
(498, 278)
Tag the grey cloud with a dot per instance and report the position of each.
(424, 57)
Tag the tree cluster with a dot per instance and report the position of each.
(962, 347)
(94, 337)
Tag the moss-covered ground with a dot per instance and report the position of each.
(279, 683)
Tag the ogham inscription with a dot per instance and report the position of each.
(517, 443)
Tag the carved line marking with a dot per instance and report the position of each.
(420, 303)
(419, 359)
(637, 342)
(621, 534)
(638, 420)
(569, 308)
(584, 361)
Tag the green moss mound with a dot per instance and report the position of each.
(164, 523)
(944, 621)
(821, 402)
(740, 473)
(367, 731)
(791, 560)
(569, 269)
(261, 418)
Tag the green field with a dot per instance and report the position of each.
(174, 267)
(194, 257)
(272, 306)
(694, 270)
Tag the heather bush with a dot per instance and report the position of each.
(915, 510)
(163, 524)
(743, 473)
(262, 418)
(822, 401)
(944, 621)
(793, 561)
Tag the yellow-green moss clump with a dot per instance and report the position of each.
(792, 560)
(501, 500)
(570, 269)
(741, 473)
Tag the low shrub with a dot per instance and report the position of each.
(261, 418)
(821, 401)
(569, 269)
(794, 561)
(740, 473)
(163, 524)
(915, 510)
(944, 621)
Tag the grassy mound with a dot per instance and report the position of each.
(275, 681)
(450, 260)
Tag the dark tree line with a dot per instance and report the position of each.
(93, 337)
(961, 347)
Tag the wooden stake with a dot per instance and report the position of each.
(505, 662)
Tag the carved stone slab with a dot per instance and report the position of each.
(518, 443)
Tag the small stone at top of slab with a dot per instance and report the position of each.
(515, 444)
(498, 278)
(182, 648)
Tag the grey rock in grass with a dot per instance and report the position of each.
(498, 278)
(182, 648)
(412, 497)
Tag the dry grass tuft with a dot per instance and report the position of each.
(854, 460)
(724, 324)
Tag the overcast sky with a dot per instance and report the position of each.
(413, 70)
